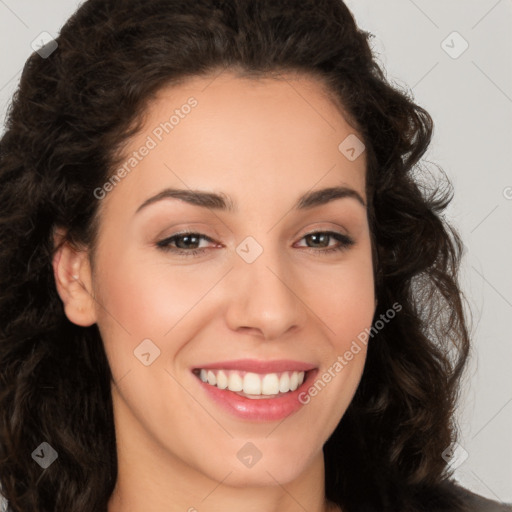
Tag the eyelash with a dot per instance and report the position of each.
(164, 245)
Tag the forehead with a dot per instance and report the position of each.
(291, 103)
(224, 131)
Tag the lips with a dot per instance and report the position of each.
(258, 366)
(264, 399)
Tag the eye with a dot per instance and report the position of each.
(344, 241)
(186, 242)
(183, 240)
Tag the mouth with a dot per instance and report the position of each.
(253, 385)
(257, 391)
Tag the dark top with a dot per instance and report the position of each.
(478, 503)
(474, 502)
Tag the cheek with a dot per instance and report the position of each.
(343, 298)
(140, 299)
(145, 297)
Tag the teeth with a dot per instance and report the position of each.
(212, 379)
(284, 383)
(294, 381)
(252, 384)
(234, 382)
(270, 384)
(255, 384)
(222, 380)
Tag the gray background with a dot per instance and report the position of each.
(470, 100)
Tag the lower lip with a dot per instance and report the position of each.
(264, 409)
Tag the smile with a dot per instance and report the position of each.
(253, 385)
(256, 390)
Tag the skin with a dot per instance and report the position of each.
(264, 143)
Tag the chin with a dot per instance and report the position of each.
(263, 475)
(275, 466)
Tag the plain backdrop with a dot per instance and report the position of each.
(455, 58)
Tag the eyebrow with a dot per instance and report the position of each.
(222, 202)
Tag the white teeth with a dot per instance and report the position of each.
(284, 383)
(294, 381)
(222, 380)
(252, 384)
(234, 382)
(270, 384)
(211, 378)
(255, 384)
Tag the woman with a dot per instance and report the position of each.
(252, 369)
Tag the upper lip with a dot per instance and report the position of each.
(258, 366)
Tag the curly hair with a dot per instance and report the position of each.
(65, 130)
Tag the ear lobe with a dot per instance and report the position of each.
(73, 280)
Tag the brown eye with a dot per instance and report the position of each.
(185, 243)
(322, 238)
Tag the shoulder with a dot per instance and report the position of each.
(477, 503)
(449, 496)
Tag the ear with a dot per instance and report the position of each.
(73, 279)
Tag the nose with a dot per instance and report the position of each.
(267, 299)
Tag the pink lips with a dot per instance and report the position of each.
(265, 409)
(255, 366)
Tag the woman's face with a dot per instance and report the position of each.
(261, 290)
